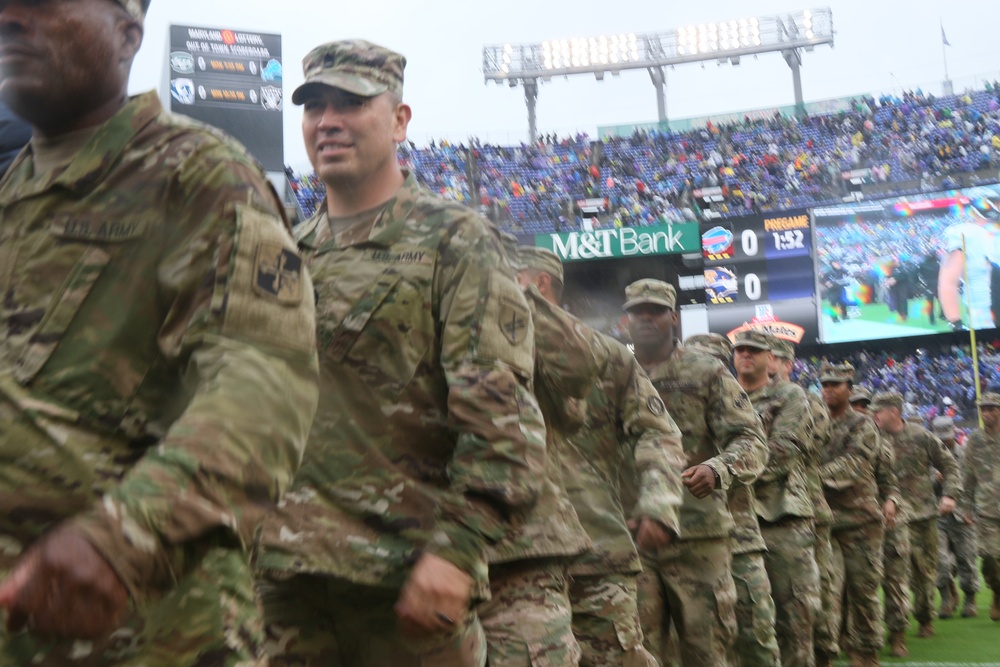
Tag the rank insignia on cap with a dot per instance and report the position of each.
(513, 322)
(279, 274)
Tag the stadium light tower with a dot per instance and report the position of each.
(725, 41)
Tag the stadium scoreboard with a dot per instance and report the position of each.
(233, 81)
(759, 274)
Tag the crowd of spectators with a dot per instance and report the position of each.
(907, 142)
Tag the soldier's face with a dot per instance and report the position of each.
(991, 416)
(836, 394)
(887, 418)
(860, 407)
(352, 139)
(650, 324)
(751, 360)
(62, 61)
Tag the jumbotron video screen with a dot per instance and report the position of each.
(895, 267)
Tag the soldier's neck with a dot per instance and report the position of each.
(651, 356)
(347, 198)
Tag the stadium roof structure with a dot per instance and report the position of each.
(724, 41)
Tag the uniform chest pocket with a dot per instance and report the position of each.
(82, 247)
(385, 334)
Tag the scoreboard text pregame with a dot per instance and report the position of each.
(232, 80)
(759, 274)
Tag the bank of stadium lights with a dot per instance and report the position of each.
(725, 41)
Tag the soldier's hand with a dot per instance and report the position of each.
(947, 505)
(434, 599)
(889, 512)
(650, 534)
(62, 587)
(967, 519)
(700, 480)
(938, 476)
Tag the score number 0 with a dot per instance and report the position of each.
(751, 283)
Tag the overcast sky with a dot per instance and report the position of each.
(880, 45)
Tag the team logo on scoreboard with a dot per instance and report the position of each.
(721, 285)
(271, 71)
(765, 320)
(182, 90)
(270, 98)
(717, 243)
(182, 62)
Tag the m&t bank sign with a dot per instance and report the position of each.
(666, 239)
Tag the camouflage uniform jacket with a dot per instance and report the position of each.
(157, 368)
(782, 490)
(628, 428)
(569, 359)
(719, 429)
(886, 480)
(915, 450)
(958, 453)
(745, 536)
(428, 437)
(981, 473)
(848, 470)
(819, 427)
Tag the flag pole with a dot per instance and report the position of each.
(944, 52)
(972, 332)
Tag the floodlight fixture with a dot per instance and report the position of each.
(724, 41)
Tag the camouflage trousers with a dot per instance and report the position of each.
(528, 619)
(688, 584)
(857, 575)
(320, 621)
(755, 643)
(795, 586)
(957, 553)
(211, 617)
(826, 631)
(924, 560)
(896, 553)
(989, 548)
(606, 621)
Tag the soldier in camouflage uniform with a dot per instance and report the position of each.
(755, 613)
(626, 428)
(826, 626)
(981, 480)
(956, 538)
(689, 582)
(915, 450)
(847, 470)
(783, 501)
(428, 441)
(529, 615)
(157, 362)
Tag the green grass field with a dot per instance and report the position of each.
(957, 642)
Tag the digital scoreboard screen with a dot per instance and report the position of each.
(896, 267)
(759, 274)
(233, 81)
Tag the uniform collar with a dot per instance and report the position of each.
(101, 154)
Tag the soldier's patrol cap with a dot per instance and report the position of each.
(753, 338)
(652, 291)
(989, 399)
(861, 393)
(944, 427)
(711, 343)
(541, 259)
(783, 348)
(136, 8)
(836, 373)
(887, 399)
(354, 65)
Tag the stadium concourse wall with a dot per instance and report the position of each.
(857, 271)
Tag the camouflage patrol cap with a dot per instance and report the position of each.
(541, 259)
(989, 399)
(136, 8)
(711, 343)
(887, 399)
(652, 291)
(753, 338)
(944, 427)
(353, 65)
(861, 393)
(783, 349)
(836, 373)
